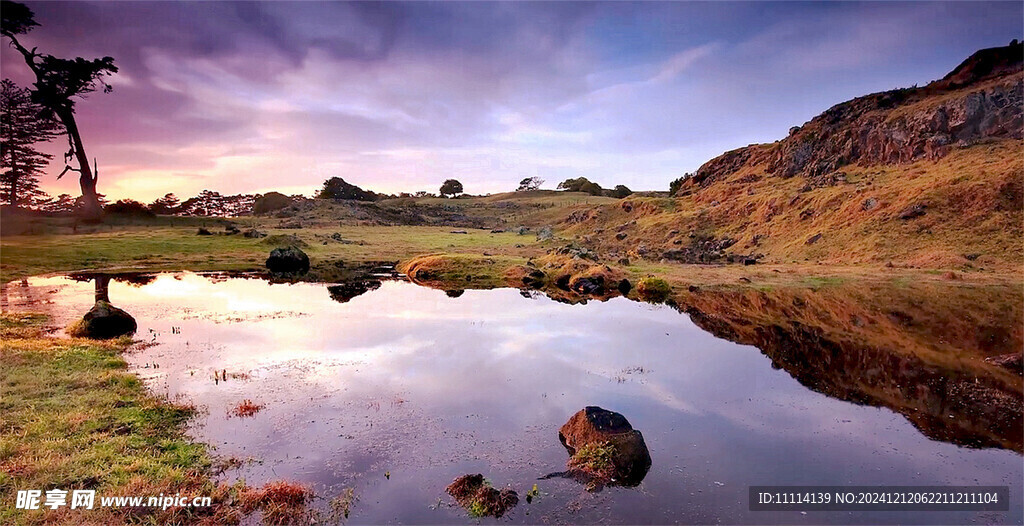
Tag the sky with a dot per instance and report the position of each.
(242, 97)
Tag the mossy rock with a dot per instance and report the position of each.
(653, 289)
(476, 495)
(102, 322)
(604, 448)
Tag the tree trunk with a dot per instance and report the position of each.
(91, 209)
(12, 195)
(103, 288)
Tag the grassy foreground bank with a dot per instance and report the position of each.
(75, 418)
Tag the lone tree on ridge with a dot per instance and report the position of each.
(451, 187)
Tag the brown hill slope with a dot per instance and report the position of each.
(927, 176)
(981, 98)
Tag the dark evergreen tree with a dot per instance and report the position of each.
(166, 205)
(23, 125)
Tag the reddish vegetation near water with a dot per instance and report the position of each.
(246, 408)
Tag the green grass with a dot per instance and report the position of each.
(823, 281)
(74, 417)
(141, 248)
(596, 461)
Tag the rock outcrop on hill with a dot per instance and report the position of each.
(982, 98)
(929, 177)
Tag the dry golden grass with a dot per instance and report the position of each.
(463, 270)
(280, 502)
(973, 199)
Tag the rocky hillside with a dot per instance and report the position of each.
(926, 176)
(980, 99)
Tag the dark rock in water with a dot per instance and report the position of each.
(203, 232)
(481, 500)
(287, 260)
(344, 292)
(589, 285)
(1013, 361)
(454, 293)
(624, 286)
(252, 233)
(912, 211)
(604, 448)
(104, 321)
(534, 279)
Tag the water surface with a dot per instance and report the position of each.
(399, 390)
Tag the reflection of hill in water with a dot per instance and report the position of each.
(916, 351)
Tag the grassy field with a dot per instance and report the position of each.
(154, 248)
(74, 418)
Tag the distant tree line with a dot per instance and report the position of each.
(207, 203)
(21, 189)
